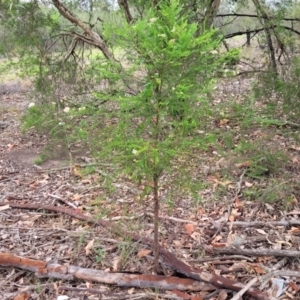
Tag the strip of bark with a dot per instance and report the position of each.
(57, 271)
(167, 257)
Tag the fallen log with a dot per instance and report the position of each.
(67, 272)
(167, 257)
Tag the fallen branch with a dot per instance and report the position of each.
(250, 252)
(244, 290)
(118, 296)
(167, 257)
(261, 223)
(57, 271)
(205, 259)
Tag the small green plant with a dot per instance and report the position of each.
(100, 254)
(40, 160)
(265, 163)
(126, 250)
(159, 124)
(38, 287)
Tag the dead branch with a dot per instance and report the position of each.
(57, 271)
(205, 259)
(167, 257)
(265, 279)
(263, 223)
(92, 36)
(119, 296)
(242, 292)
(250, 252)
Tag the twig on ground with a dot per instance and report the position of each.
(265, 279)
(261, 223)
(250, 252)
(291, 213)
(219, 229)
(245, 289)
(53, 170)
(280, 264)
(124, 217)
(205, 259)
(173, 219)
(108, 295)
(63, 200)
(239, 184)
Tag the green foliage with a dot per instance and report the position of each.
(40, 160)
(100, 254)
(178, 70)
(264, 162)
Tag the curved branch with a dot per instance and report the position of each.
(93, 37)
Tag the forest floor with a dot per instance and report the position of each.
(245, 229)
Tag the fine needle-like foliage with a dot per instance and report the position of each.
(173, 69)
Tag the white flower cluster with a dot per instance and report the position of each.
(32, 104)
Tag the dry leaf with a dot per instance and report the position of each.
(75, 172)
(22, 296)
(190, 228)
(11, 146)
(217, 238)
(86, 181)
(76, 197)
(259, 270)
(222, 296)
(116, 262)
(294, 148)
(224, 121)
(201, 211)
(231, 218)
(295, 160)
(245, 164)
(261, 231)
(89, 247)
(238, 203)
(143, 253)
(248, 184)
(196, 236)
(88, 285)
(294, 286)
(219, 245)
(177, 243)
(294, 231)
(131, 291)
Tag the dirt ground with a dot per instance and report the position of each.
(233, 237)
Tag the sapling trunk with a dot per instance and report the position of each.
(156, 222)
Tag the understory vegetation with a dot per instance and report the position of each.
(168, 94)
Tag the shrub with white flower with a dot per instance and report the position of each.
(32, 104)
